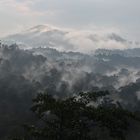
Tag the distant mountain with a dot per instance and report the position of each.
(68, 40)
(39, 36)
(135, 52)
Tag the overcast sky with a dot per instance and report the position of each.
(17, 15)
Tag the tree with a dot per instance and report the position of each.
(78, 118)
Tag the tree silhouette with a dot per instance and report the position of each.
(78, 118)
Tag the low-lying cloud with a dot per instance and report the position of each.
(85, 41)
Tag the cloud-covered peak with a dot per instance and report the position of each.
(40, 28)
(63, 39)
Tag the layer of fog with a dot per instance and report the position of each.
(24, 73)
(85, 41)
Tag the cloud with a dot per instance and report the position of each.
(16, 15)
(23, 7)
(65, 39)
(80, 13)
(90, 40)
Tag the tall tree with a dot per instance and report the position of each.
(86, 116)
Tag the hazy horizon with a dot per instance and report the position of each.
(69, 69)
(18, 15)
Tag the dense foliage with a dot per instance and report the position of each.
(24, 73)
(86, 116)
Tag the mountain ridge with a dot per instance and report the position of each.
(69, 40)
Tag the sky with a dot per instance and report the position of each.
(124, 15)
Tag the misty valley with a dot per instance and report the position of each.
(69, 69)
(25, 74)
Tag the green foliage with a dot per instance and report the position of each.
(77, 118)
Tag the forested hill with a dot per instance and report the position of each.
(25, 73)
